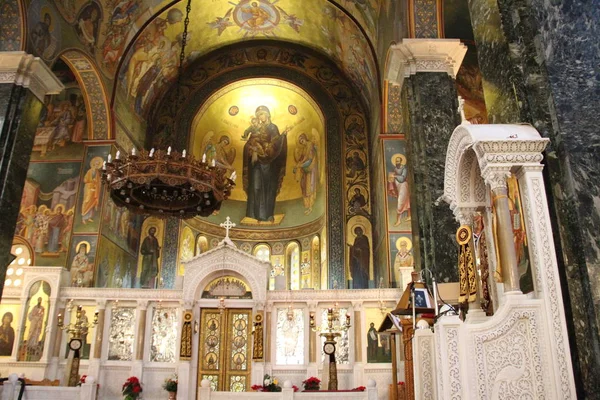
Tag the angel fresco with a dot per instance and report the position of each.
(306, 169)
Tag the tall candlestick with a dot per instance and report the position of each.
(412, 295)
(435, 296)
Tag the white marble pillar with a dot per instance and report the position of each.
(357, 337)
(424, 364)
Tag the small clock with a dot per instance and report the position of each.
(75, 344)
(329, 348)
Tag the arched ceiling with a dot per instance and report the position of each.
(152, 57)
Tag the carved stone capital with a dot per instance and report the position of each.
(187, 304)
(28, 71)
(142, 304)
(312, 306)
(357, 305)
(496, 178)
(424, 55)
(465, 215)
(101, 304)
(529, 169)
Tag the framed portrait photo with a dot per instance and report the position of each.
(422, 298)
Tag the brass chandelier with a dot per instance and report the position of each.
(166, 184)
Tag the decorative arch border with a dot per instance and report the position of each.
(225, 258)
(346, 118)
(13, 26)
(94, 92)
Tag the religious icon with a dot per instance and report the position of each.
(360, 257)
(150, 252)
(82, 268)
(357, 202)
(42, 38)
(397, 187)
(7, 334)
(92, 185)
(403, 261)
(264, 166)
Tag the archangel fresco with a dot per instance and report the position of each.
(33, 337)
(87, 25)
(47, 210)
(272, 135)
(81, 260)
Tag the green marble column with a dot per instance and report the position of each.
(539, 61)
(24, 81)
(431, 101)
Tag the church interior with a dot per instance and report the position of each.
(398, 197)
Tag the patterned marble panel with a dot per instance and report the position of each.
(164, 334)
(121, 334)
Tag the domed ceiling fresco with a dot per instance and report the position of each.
(153, 58)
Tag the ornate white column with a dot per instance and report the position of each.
(97, 339)
(545, 273)
(137, 365)
(496, 179)
(424, 364)
(357, 337)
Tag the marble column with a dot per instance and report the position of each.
(24, 81)
(506, 246)
(141, 330)
(543, 55)
(426, 68)
(96, 351)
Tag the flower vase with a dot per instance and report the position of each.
(172, 395)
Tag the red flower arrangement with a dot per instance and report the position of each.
(81, 380)
(359, 389)
(312, 383)
(295, 388)
(132, 388)
(401, 383)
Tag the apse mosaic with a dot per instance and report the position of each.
(275, 143)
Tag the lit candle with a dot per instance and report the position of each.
(169, 150)
(104, 166)
(213, 162)
(118, 154)
(204, 157)
(183, 153)
(133, 151)
(152, 152)
(109, 158)
(108, 177)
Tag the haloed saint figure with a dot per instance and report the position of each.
(264, 165)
